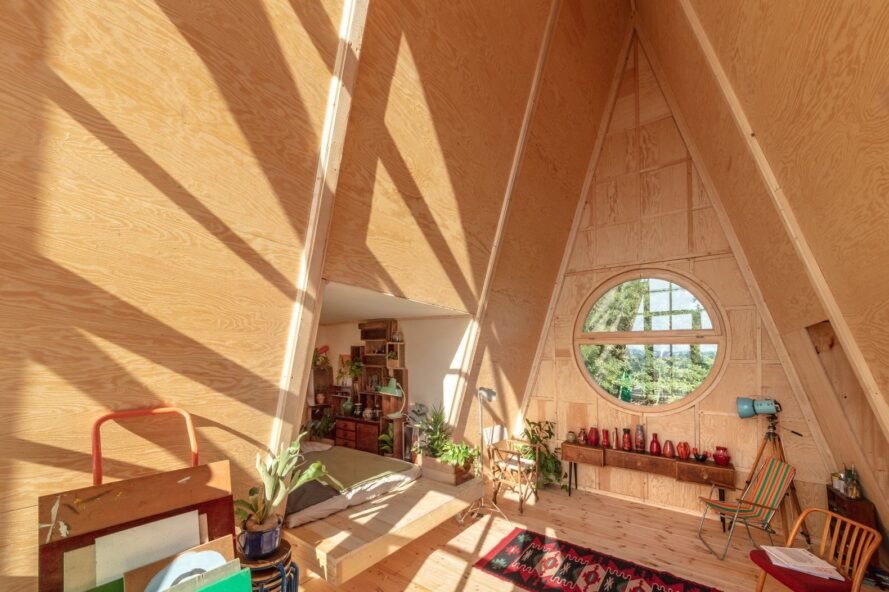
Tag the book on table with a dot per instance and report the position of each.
(802, 560)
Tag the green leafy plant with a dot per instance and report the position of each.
(322, 427)
(387, 440)
(353, 369)
(434, 431)
(549, 465)
(319, 357)
(280, 476)
(459, 454)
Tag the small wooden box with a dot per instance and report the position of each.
(436, 470)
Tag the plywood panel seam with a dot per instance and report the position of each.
(877, 399)
(295, 371)
(475, 325)
(583, 199)
(738, 254)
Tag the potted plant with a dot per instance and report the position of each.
(434, 436)
(549, 464)
(462, 457)
(320, 359)
(387, 440)
(260, 526)
(323, 427)
(353, 369)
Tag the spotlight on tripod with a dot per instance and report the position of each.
(482, 504)
(748, 407)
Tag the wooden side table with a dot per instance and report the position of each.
(275, 573)
(858, 509)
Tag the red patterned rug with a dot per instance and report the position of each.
(533, 561)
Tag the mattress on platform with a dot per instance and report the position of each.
(360, 477)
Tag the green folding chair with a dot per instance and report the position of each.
(757, 504)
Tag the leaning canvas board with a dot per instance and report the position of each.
(122, 551)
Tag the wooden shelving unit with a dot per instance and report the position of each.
(707, 473)
(357, 432)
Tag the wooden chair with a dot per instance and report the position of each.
(845, 544)
(514, 464)
(757, 504)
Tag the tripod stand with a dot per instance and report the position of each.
(482, 504)
(773, 439)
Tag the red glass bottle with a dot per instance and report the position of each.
(655, 447)
(627, 442)
(593, 437)
(581, 438)
(669, 450)
(604, 438)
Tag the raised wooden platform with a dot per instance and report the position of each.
(346, 543)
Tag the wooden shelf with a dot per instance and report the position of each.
(706, 473)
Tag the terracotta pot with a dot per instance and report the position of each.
(669, 450)
(655, 447)
(683, 450)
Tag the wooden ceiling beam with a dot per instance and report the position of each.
(768, 320)
(296, 369)
(877, 400)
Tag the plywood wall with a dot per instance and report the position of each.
(577, 78)
(862, 425)
(787, 89)
(436, 115)
(812, 81)
(156, 182)
(648, 208)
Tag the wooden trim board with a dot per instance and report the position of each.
(475, 323)
(768, 322)
(296, 370)
(345, 544)
(575, 226)
(879, 404)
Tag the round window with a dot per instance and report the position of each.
(648, 340)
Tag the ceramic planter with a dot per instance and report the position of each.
(256, 541)
(442, 472)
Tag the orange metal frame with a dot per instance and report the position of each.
(97, 443)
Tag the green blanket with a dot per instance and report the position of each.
(353, 468)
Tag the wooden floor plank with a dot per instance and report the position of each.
(442, 559)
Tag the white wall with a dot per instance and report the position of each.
(433, 353)
(431, 357)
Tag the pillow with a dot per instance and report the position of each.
(311, 446)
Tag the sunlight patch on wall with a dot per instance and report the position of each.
(453, 383)
(420, 148)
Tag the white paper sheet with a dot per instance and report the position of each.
(128, 549)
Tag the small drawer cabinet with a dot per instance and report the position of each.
(361, 434)
(859, 510)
